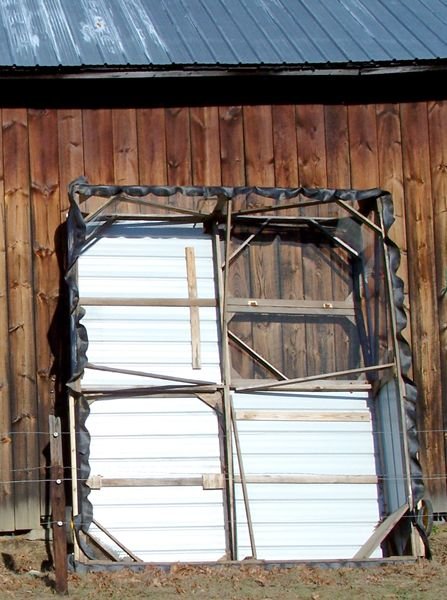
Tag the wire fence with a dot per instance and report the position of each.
(382, 477)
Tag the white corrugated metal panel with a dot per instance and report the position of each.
(160, 438)
(152, 437)
(155, 339)
(147, 267)
(307, 521)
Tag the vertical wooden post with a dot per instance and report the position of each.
(57, 496)
(193, 310)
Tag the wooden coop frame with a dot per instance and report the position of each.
(384, 372)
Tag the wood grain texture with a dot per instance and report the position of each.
(259, 153)
(24, 413)
(317, 274)
(205, 146)
(71, 152)
(423, 297)
(339, 177)
(363, 146)
(285, 149)
(6, 444)
(305, 416)
(151, 132)
(365, 175)
(125, 146)
(193, 310)
(289, 251)
(232, 145)
(125, 153)
(178, 146)
(233, 174)
(337, 146)
(437, 115)
(263, 256)
(389, 148)
(98, 150)
(45, 207)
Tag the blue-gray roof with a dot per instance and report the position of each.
(204, 33)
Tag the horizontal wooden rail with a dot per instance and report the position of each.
(217, 481)
(300, 307)
(285, 415)
(326, 385)
(188, 302)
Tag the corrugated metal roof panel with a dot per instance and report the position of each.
(160, 33)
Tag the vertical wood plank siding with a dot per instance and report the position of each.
(21, 342)
(402, 148)
(424, 290)
(6, 445)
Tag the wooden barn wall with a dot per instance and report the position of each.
(402, 148)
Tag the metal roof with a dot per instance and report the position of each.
(219, 33)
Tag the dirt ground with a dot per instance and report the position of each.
(25, 572)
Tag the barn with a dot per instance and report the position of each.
(213, 223)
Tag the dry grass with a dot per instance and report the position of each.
(24, 574)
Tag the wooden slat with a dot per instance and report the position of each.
(263, 258)
(233, 173)
(317, 385)
(289, 252)
(125, 157)
(193, 310)
(389, 146)
(363, 146)
(96, 482)
(205, 150)
(98, 150)
(6, 446)
(232, 146)
(259, 153)
(152, 146)
(299, 307)
(148, 301)
(45, 206)
(282, 384)
(285, 146)
(339, 177)
(115, 540)
(317, 276)
(71, 152)
(125, 152)
(423, 296)
(337, 146)
(380, 533)
(437, 115)
(178, 146)
(152, 163)
(365, 174)
(24, 414)
(255, 355)
(100, 482)
(284, 415)
(312, 479)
